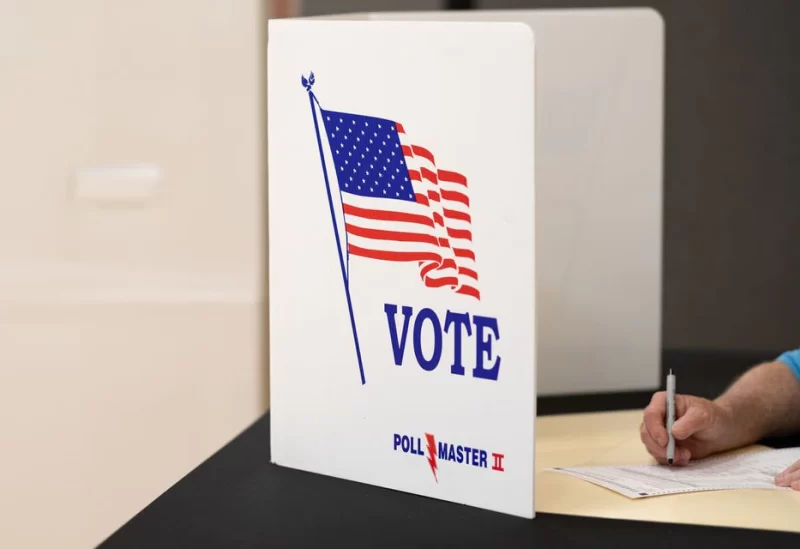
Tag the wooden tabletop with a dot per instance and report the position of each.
(612, 438)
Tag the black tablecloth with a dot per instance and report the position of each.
(238, 499)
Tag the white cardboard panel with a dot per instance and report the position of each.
(464, 92)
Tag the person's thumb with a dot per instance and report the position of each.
(697, 418)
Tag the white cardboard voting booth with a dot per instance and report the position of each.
(402, 256)
(593, 194)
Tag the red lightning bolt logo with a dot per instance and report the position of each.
(432, 455)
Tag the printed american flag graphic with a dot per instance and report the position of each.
(398, 205)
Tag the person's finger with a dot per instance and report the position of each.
(791, 468)
(682, 403)
(796, 485)
(682, 454)
(682, 457)
(654, 418)
(695, 419)
(788, 480)
(652, 447)
(789, 476)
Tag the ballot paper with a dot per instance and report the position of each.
(727, 472)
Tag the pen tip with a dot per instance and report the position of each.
(670, 462)
(670, 371)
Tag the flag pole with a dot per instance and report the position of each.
(308, 84)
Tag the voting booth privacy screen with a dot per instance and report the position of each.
(599, 191)
(425, 283)
(401, 257)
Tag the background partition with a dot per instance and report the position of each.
(730, 167)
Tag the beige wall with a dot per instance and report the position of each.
(131, 330)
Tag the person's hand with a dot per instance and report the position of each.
(790, 476)
(701, 428)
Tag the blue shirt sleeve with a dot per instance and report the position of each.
(792, 360)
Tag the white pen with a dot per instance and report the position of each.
(670, 416)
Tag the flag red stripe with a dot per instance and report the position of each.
(459, 233)
(392, 256)
(427, 268)
(469, 290)
(468, 272)
(461, 252)
(438, 219)
(433, 195)
(439, 282)
(423, 152)
(422, 199)
(455, 196)
(448, 264)
(406, 150)
(414, 175)
(396, 236)
(452, 177)
(461, 216)
(387, 216)
(429, 175)
(400, 127)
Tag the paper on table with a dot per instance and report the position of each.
(729, 472)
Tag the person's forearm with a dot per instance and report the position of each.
(764, 402)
